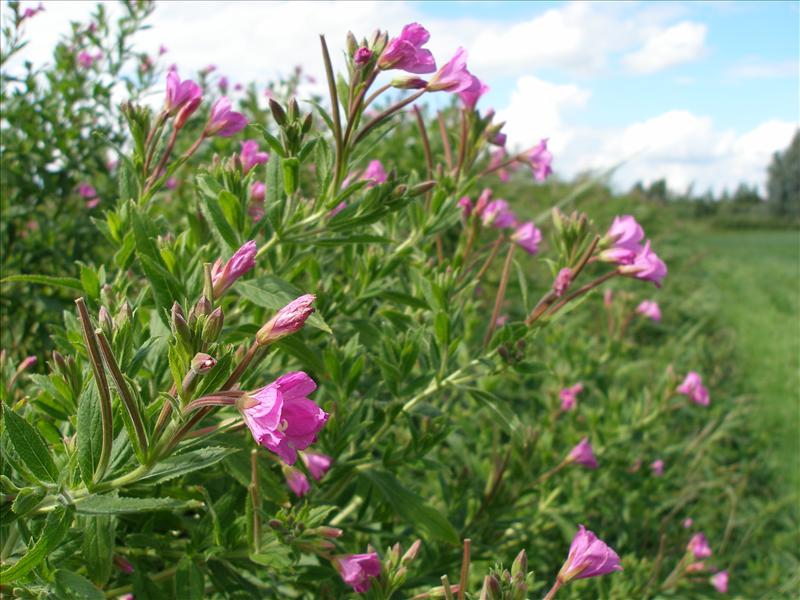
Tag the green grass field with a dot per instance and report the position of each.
(756, 275)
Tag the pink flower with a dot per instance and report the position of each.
(406, 53)
(171, 183)
(657, 467)
(687, 522)
(466, 206)
(356, 569)
(251, 156)
(123, 564)
(224, 121)
(540, 160)
(499, 215)
(698, 546)
(375, 173)
(32, 12)
(720, 582)
(562, 282)
(287, 320)
(85, 59)
(26, 363)
(282, 418)
(527, 236)
(242, 261)
(453, 77)
(223, 84)
(87, 191)
(625, 232)
(483, 201)
(588, 557)
(471, 95)
(316, 463)
(501, 320)
(649, 308)
(646, 266)
(569, 396)
(499, 139)
(497, 158)
(692, 386)
(297, 482)
(583, 455)
(362, 55)
(162, 50)
(181, 94)
(257, 191)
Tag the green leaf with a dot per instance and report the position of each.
(412, 507)
(114, 505)
(71, 586)
(221, 228)
(66, 282)
(90, 433)
(344, 240)
(55, 529)
(98, 546)
(181, 464)
(165, 287)
(189, 580)
(30, 447)
(271, 292)
(90, 282)
(128, 189)
(27, 499)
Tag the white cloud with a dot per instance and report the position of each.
(678, 145)
(757, 68)
(677, 44)
(536, 110)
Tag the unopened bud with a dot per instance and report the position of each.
(421, 188)
(399, 191)
(202, 363)
(186, 112)
(106, 323)
(351, 44)
(277, 112)
(409, 83)
(558, 221)
(294, 109)
(61, 364)
(107, 293)
(203, 307)
(307, 122)
(124, 315)
(491, 589)
(411, 553)
(520, 564)
(275, 524)
(329, 532)
(180, 329)
(213, 326)
(362, 56)
(288, 320)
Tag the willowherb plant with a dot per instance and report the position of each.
(363, 322)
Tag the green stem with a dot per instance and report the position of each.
(501, 293)
(126, 589)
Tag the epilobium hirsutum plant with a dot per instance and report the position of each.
(292, 363)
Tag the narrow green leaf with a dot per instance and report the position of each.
(128, 189)
(71, 586)
(181, 464)
(90, 282)
(30, 447)
(55, 528)
(98, 546)
(114, 505)
(189, 580)
(27, 499)
(221, 229)
(411, 507)
(90, 433)
(66, 282)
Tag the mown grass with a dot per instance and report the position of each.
(755, 277)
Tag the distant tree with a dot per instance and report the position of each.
(783, 186)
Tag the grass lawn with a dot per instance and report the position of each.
(757, 277)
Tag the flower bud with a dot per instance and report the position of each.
(180, 329)
(491, 589)
(351, 44)
(520, 564)
(409, 83)
(203, 307)
(106, 323)
(202, 363)
(277, 112)
(60, 364)
(213, 326)
(288, 320)
(362, 56)
(411, 553)
(329, 532)
(186, 112)
(421, 188)
(124, 315)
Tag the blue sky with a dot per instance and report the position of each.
(700, 92)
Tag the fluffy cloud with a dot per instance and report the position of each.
(685, 148)
(678, 44)
(757, 68)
